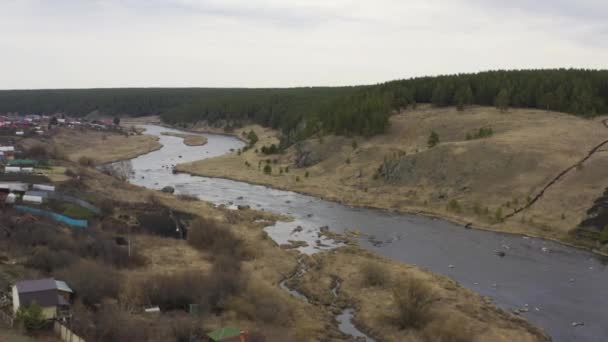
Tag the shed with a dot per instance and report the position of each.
(12, 169)
(43, 194)
(44, 292)
(7, 149)
(32, 199)
(43, 187)
(13, 187)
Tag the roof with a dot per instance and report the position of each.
(22, 162)
(63, 286)
(14, 186)
(42, 194)
(7, 148)
(223, 333)
(43, 298)
(26, 286)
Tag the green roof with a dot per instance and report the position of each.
(223, 333)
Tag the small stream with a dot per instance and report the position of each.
(560, 285)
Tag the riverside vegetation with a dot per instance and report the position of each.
(236, 267)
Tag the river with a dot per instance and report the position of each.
(552, 285)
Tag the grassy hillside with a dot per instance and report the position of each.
(466, 176)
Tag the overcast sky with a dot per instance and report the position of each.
(280, 43)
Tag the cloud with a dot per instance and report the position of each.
(268, 43)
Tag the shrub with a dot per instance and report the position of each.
(354, 144)
(414, 300)
(45, 260)
(188, 198)
(175, 291)
(92, 281)
(498, 215)
(86, 161)
(31, 317)
(347, 160)
(306, 174)
(267, 169)
(433, 139)
(253, 138)
(454, 206)
(210, 235)
(375, 274)
(272, 149)
(261, 303)
(454, 328)
(604, 235)
(37, 152)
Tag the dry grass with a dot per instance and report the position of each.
(269, 265)
(436, 298)
(482, 176)
(189, 139)
(101, 147)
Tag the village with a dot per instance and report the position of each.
(41, 194)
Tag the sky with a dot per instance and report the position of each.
(288, 43)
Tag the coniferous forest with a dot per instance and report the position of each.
(301, 112)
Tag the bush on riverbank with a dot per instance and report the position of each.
(375, 275)
(414, 300)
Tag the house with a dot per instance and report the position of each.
(8, 152)
(52, 295)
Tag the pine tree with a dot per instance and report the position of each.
(502, 100)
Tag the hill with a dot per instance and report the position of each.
(522, 171)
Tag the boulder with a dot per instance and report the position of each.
(168, 189)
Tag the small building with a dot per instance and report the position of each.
(43, 187)
(32, 199)
(8, 152)
(10, 198)
(52, 295)
(16, 187)
(12, 169)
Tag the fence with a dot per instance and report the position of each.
(57, 217)
(6, 319)
(66, 334)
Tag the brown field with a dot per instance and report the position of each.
(189, 139)
(466, 181)
(268, 264)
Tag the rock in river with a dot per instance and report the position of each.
(168, 189)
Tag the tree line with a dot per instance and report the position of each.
(302, 112)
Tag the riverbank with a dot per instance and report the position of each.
(475, 182)
(271, 264)
(265, 267)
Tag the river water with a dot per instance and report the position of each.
(552, 285)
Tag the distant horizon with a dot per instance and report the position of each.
(299, 87)
(100, 44)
